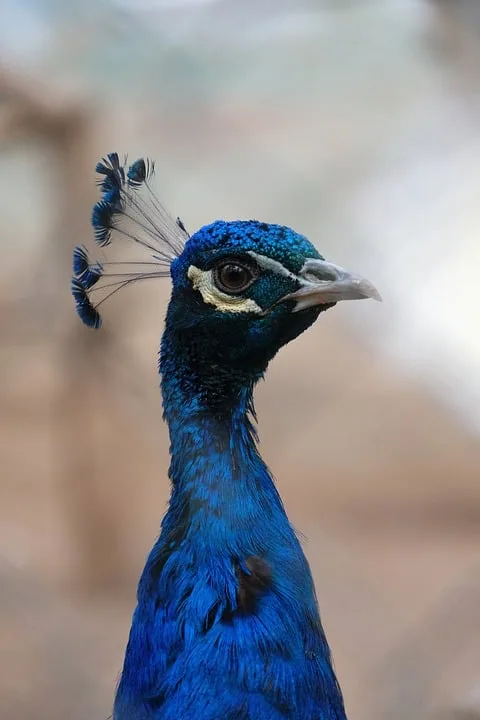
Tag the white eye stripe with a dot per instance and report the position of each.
(202, 280)
(270, 264)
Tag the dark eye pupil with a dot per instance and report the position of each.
(231, 277)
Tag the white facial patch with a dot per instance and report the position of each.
(202, 280)
(273, 265)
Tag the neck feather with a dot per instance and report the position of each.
(216, 471)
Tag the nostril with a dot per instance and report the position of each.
(326, 275)
(319, 271)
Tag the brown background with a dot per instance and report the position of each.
(364, 135)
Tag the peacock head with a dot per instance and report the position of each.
(241, 289)
(248, 287)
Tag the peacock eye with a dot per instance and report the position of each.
(233, 277)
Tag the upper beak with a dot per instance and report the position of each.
(323, 282)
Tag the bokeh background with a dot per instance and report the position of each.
(355, 121)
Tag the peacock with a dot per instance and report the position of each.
(226, 625)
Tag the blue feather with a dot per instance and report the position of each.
(113, 180)
(110, 167)
(87, 274)
(102, 219)
(87, 313)
(109, 186)
(80, 261)
(139, 172)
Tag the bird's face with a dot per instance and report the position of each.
(243, 289)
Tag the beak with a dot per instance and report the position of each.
(323, 283)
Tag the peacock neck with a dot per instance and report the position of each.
(220, 484)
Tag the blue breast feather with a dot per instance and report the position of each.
(209, 640)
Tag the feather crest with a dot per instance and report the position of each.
(124, 211)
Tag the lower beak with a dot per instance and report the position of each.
(324, 283)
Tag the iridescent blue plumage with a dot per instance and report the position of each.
(139, 172)
(87, 312)
(87, 274)
(113, 172)
(102, 217)
(226, 625)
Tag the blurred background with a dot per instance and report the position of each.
(357, 123)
